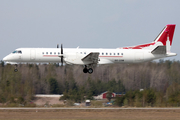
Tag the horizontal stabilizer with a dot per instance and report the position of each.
(159, 50)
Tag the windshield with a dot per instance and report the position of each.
(17, 51)
(14, 52)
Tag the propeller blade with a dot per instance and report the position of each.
(61, 60)
(61, 49)
(57, 45)
(61, 55)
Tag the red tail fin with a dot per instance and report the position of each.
(163, 39)
(166, 33)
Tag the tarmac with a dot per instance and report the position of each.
(63, 108)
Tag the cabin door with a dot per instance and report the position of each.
(33, 54)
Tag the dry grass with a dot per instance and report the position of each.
(95, 103)
(90, 114)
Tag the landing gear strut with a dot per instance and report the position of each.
(15, 69)
(86, 70)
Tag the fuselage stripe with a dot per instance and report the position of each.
(50, 55)
(110, 56)
(57, 56)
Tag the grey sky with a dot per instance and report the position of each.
(85, 23)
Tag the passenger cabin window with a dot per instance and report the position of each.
(43, 53)
(110, 53)
(106, 53)
(51, 53)
(84, 52)
(46, 53)
(58, 53)
(114, 53)
(117, 53)
(54, 52)
(121, 53)
(102, 53)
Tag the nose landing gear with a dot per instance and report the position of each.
(86, 70)
(15, 69)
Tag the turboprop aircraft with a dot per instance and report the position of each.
(159, 48)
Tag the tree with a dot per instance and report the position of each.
(109, 95)
(119, 101)
(2, 63)
(54, 89)
(151, 96)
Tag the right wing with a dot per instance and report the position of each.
(92, 57)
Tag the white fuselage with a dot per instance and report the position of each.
(159, 48)
(74, 56)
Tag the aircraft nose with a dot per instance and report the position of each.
(5, 58)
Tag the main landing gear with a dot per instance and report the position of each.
(86, 70)
(15, 69)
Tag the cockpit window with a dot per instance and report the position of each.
(14, 52)
(19, 51)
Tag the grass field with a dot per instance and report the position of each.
(90, 114)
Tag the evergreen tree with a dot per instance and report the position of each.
(109, 95)
(54, 89)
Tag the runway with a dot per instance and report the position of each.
(89, 113)
(59, 108)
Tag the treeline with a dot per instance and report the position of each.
(160, 77)
(151, 97)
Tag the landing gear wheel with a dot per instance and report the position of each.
(90, 70)
(15, 69)
(85, 70)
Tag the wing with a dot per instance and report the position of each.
(92, 57)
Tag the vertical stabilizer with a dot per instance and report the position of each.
(162, 43)
(165, 38)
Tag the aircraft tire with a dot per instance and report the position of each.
(85, 70)
(15, 70)
(90, 70)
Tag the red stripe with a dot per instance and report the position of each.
(57, 56)
(110, 56)
(50, 55)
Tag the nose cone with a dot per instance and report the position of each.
(7, 58)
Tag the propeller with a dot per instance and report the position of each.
(57, 45)
(61, 55)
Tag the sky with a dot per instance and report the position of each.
(85, 23)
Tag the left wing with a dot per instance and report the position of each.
(92, 57)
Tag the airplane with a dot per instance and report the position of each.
(159, 48)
